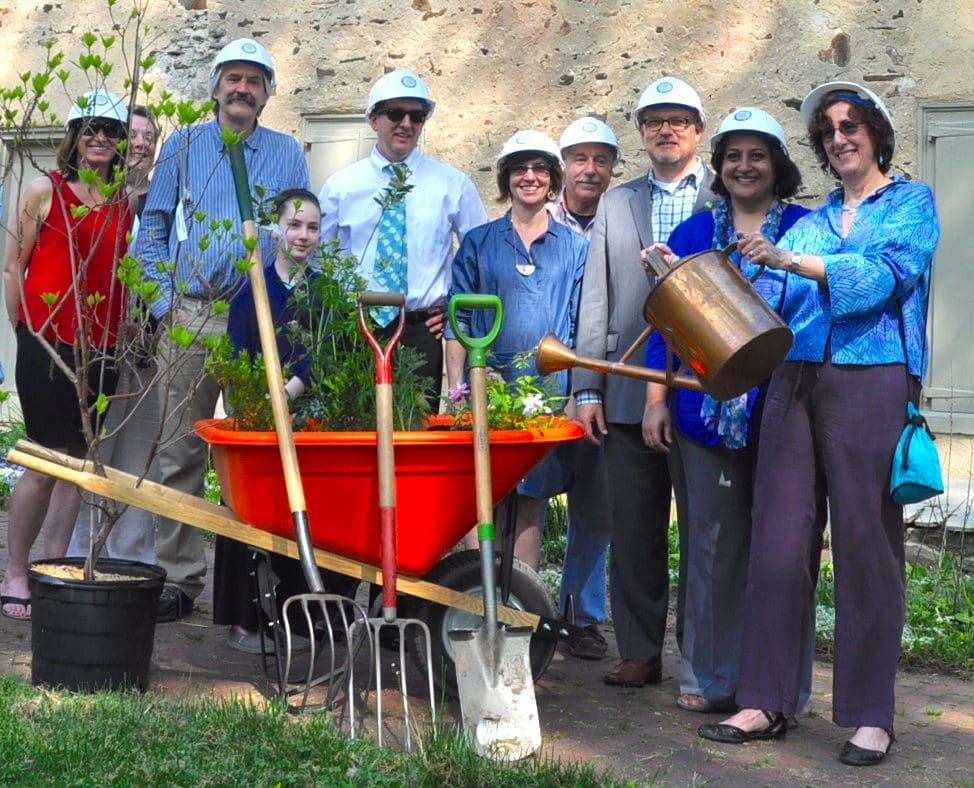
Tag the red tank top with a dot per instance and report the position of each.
(97, 237)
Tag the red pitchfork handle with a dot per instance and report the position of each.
(384, 438)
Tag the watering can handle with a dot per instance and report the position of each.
(476, 347)
(730, 249)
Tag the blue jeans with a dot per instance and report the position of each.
(589, 529)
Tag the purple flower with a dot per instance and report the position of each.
(459, 392)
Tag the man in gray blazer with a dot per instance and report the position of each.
(630, 218)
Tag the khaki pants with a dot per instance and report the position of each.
(186, 394)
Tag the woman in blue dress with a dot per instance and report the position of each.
(534, 264)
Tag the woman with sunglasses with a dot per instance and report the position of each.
(856, 285)
(534, 264)
(64, 299)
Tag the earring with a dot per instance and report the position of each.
(882, 160)
(551, 195)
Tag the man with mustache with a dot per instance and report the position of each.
(185, 248)
(440, 207)
(630, 218)
(589, 149)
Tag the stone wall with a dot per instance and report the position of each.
(498, 66)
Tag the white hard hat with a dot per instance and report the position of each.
(530, 141)
(99, 103)
(813, 99)
(399, 84)
(244, 50)
(750, 120)
(588, 129)
(667, 91)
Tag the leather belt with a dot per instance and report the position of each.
(421, 315)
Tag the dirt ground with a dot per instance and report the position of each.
(640, 734)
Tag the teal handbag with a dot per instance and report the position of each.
(916, 473)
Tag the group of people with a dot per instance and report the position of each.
(755, 478)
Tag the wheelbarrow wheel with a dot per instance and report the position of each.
(461, 572)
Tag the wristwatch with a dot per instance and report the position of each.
(796, 262)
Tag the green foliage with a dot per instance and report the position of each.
(50, 738)
(555, 531)
(341, 391)
(938, 634)
(341, 394)
(244, 383)
(523, 403)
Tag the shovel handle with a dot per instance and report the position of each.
(476, 347)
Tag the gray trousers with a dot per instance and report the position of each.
(831, 427)
(639, 580)
(186, 395)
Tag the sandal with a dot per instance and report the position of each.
(776, 728)
(24, 602)
(697, 703)
(854, 755)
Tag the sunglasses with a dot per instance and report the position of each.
(110, 128)
(539, 168)
(396, 115)
(676, 123)
(847, 127)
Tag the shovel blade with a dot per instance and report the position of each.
(497, 701)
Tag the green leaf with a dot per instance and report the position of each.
(101, 404)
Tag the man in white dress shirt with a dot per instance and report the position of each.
(440, 207)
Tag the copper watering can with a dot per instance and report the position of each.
(709, 315)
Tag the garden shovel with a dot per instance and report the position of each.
(500, 712)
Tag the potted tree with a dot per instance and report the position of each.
(92, 619)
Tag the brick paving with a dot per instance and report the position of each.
(640, 734)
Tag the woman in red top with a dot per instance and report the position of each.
(64, 301)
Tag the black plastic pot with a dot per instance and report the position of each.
(89, 636)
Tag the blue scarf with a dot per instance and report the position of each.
(731, 418)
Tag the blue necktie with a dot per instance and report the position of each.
(389, 273)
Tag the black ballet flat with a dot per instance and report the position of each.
(730, 734)
(854, 755)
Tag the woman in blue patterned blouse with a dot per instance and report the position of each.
(856, 281)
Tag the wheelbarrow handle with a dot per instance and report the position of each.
(476, 347)
(383, 356)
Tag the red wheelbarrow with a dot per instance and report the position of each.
(434, 479)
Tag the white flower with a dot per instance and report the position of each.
(533, 405)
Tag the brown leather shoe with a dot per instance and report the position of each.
(634, 673)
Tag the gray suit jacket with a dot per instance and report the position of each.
(614, 290)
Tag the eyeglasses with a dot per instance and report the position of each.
(110, 128)
(539, 168)
(847, 127)
(396, 115)
(676, 123)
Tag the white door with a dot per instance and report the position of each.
(332, 141)
(947, 164)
